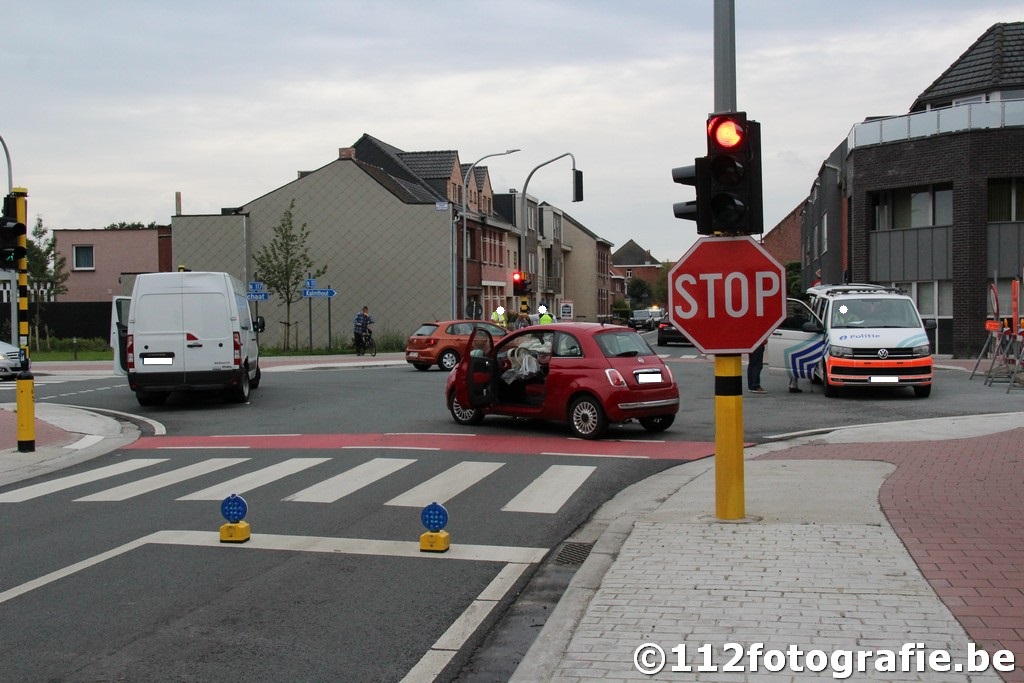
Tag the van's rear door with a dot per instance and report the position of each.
(119, 333)
(207, 323)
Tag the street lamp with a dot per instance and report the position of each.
(577, 196)
(465, 241)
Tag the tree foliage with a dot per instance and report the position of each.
(47, 271)
(283, 264)
(639, 291)
(135, 225)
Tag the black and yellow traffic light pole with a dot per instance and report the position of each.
(14, 253)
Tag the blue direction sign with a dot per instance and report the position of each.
(256, 286)
(310, 284)
(258, 296)
(318, 293)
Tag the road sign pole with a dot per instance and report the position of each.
(729, 491)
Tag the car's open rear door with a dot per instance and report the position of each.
(481, 368)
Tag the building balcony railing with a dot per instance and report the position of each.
(972, 116)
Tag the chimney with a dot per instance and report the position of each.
(346, 153)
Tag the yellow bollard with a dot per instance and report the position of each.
(729, 494)
(26, 406)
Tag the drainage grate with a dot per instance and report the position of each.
(573, 553)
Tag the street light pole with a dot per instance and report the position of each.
(522, 204)
(465, 241)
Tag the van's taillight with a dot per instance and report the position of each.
(238, 348)
(129, 351)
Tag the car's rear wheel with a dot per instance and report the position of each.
(448, 359)
(587, 419)
(240, 392)
(658, 423)
(421, 366)
(464, 415)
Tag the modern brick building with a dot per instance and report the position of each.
(932, 201)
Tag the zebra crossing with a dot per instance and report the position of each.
(546, 493)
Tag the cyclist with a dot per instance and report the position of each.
(360, 325)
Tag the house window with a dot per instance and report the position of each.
(83, 257)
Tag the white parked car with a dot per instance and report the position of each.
(10, 361)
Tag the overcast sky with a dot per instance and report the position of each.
(110, 107)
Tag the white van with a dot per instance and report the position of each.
(854, 336)
(186, 331)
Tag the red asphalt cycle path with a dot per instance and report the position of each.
(484, 443)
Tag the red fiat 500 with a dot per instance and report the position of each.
(587, 374)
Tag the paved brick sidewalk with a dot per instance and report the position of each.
(958, 507)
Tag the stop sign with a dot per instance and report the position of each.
(727, 294)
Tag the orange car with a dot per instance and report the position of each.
(444, 343)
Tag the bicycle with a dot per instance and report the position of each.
(368, 345)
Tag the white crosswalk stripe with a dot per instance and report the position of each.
(550, 491)
(254, 480)
(335, 488)
(160, 481)
(446, 485)
(545, 494)
(63, 483)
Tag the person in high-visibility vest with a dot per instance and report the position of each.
(543, 317)
(498, 317)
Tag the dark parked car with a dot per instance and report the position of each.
(587, 374)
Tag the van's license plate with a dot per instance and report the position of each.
(884, 380)
(157, 360)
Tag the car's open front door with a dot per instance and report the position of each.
(481, 369)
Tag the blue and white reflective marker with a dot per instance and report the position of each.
(234, 508)
(434, 517)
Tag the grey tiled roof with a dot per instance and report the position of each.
(632, 254)
(429, 165)
(994, 62)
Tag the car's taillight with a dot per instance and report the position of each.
(671, 379)
(129, 351)
(237, 337)
(431, 342)
(614, 378)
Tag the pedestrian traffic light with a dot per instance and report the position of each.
(518, 283)
(734, 167)
(12, 236)
(699, 209)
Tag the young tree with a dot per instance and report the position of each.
(47, 271)
(284, 264)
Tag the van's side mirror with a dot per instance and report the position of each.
(260, 324)
(813, 326)
(929, 324)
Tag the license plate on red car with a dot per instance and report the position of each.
(649, 377)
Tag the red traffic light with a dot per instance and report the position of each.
(517, 276)
(726, 132)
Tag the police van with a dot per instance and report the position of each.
(186, 331)
(854, 336)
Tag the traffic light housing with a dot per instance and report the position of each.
(12, 236)
(699, 210)
(577, 185)
(518, 283)
(734, 167)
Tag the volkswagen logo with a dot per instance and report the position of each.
(883, 353)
